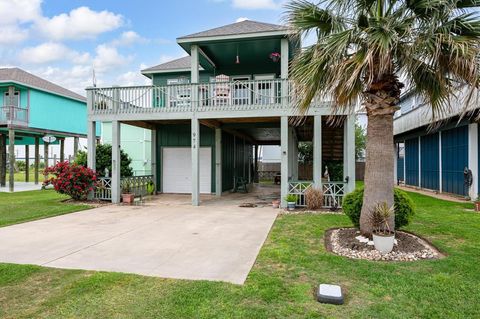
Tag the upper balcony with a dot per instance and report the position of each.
(13, 115)
(226, 99)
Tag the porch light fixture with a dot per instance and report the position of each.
(237, 60)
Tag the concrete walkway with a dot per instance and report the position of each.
(165, 238)
(22, 187)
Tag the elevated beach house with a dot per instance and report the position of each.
(32, 108)
(209, 111)
(442, 157)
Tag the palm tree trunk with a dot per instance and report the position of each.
(379, 166)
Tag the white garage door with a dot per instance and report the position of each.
(177, 170)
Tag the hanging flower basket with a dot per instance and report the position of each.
(275, 56)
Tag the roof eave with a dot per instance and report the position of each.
(233, 36)
(83, 100)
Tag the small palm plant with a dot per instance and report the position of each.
(379, 218)
(368, 51)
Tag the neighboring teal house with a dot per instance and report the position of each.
(136, 142)
(209, 112)
(32, 108)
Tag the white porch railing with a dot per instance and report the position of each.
(201, 97)
(14, 115)
(136, 184)
(333, 193)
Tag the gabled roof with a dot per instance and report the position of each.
(238, 28)
(181, 64)
(19, 76)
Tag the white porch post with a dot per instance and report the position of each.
(91, 144)
(194, 73)
(153, 156)
(284, 159)
(317, 151)
(473, 158)
(218, 162)
(405, 162)
(11, 159)
(284, 55)
(116, 191)
(195, 162)
(349, 152)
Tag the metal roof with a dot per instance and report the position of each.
(19, 76)
(243, 27)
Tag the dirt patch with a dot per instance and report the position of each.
(94, 203)
(408, 247)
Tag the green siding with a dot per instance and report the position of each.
(227, 161)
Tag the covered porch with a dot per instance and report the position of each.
(208, 157)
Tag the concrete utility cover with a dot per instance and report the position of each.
(172, 240)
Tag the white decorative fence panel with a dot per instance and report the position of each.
(333, 193)
(135, 184)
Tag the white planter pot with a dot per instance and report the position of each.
(383, 244)
(291, 205)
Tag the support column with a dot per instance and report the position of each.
(284, 159)
(349, 153)
(45, 157)
(395, 163)
(62, 150)
(3, 160)
(317, 151)
(440, 174)
(404, 163)
(195, 162)
(295, 157)
(11, 159)
(194, 73)
(218, 162)
(27, 163)
(36, 165)
(153, 157)
(419, 162)
(91, 145)
(116, 191)
(473, 158)
(75, 147)
(255, 177)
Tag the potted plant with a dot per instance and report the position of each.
(383, 236)
(476, 202)
(291, 200)
(150, 188)
(275, 203)
(275, 56)
(127, 195)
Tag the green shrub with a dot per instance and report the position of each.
(404, 208)
(104, 160)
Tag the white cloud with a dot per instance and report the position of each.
(107, 57)
(80, 23)
(50, 52)
(128, 38)
(76, 78)
(19, 11)
(241, 19)
(256, 4)
(133, 78)
(12, 34)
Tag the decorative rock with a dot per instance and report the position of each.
(331, 294)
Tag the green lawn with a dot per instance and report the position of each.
(24, 206)
(282, 283)
(20, 176)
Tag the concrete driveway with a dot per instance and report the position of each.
(164, 238)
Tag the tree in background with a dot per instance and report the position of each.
(104, 160)
(364, 47)
(360, 141)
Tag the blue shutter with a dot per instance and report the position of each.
(454, 159)
(429, 161)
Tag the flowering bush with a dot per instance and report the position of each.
(73, 180)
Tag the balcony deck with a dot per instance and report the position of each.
(203, 100)
(14, 115)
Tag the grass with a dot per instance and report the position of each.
(282, 282)
(25, 206)
(20, 176)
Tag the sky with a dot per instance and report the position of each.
(62, 41)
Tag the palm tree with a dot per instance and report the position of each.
(368, 51)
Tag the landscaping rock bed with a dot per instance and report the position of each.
(307, 211)
(349, 243)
